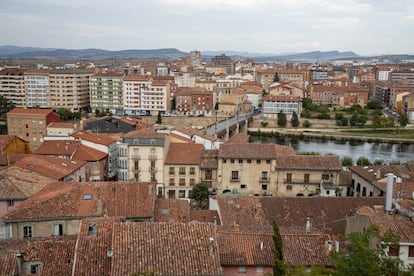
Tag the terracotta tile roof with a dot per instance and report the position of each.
(245, 248)
(86, 153)
(143, 133)
(210, 216)
(35, 111)
(53, 167)
(8, 159)
(56, 255)
(184, 154)
(189, 131)
(345, 178)
(9, 191)
(399, 224)
(25, 181)
(67, 200)
(401, 190)
(165, 248)
(327, 214)
(96, 138)
(58, 148)
(179, 138)
(254, 151)
(60, 125)
(241, 138)
(373, 172)
(246, 212)
(209, 159)
(306, 249)
(172, 210)
(309, 162)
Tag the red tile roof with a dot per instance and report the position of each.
(61, 125)
(67, 200)
(53, 167)
(240, 138)
(94, 137)
(172, 210)
(34, 111)
(184, 154)
(254, 151)
(58, 148)
(86, 153)
(144, 134)
(310, 162)
(210, 216)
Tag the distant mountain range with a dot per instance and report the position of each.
(17, 52)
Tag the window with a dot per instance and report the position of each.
(259, 269)
(232, 161)
(181, 194)
(243, 186)
(264, 175)
(171, 171)
(34, 269)
(240, 161)
(182, 182)
(136, 165)
(92, 229)
(209, 174)
(268, 161)
(27, 231)
(393, 250)
(258, 161)
(288, 177)
(172, 182)
(192, 171)
(241, 269)
(306, 178)
(57, 230)
(182, 170)
(224, 160)
(192, 181)
(249, 161)
(87, 197)
(264, 187)
(10, 202)
(411, 251)
(234, 175)
(289, 188)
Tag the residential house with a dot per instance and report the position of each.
(249, 168)
(141, 157)
(194, 101)
(285, 89)
(30, 124)
(408, 107)
(59, 130)
(69, 89)
(400, 225)
(182, 169)
(58, 208)
(103, 143)
(12, 144)
(303, 175)
(208, 168)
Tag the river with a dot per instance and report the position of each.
(373, 151)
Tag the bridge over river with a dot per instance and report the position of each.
(232, 125)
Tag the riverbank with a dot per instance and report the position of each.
(394, 136)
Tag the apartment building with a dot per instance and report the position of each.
(69, 89)
(272, 105)
(141, 157)
(12, 86)
(224, 61)
(37, 88)
(194, 101)
(182, 169)
(30, 124)
(106, 92)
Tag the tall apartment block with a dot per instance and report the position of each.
(36, 83)
(69, 89)
(106, 92)
(12, 86)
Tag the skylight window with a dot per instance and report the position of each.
(87, 197)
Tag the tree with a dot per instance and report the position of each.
(200, 192)
(281, 119)
(383, 122)
(159, 118)
(403, 120)
(306, 124)
(276, 78)
(308, 105)
(65, 114)
(278, 266)
(5, 105)
(347, 161)
(361, 259)
(374, 105)
(363, 161)
(295, 120)
(354, 119)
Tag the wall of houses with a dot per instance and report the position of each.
(45, 228)
(247, 270)
(180, 180)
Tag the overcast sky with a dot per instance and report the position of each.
(255, 26)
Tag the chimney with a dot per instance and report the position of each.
(378, 174)
(19, 263)
(308, 227)
(336, 246)
(388, 200)
(261, 245)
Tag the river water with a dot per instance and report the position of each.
(373, 151)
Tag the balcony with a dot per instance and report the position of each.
(153, 169)
(234, 179)
(264, 179)
(136, 157)
(152, 157)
